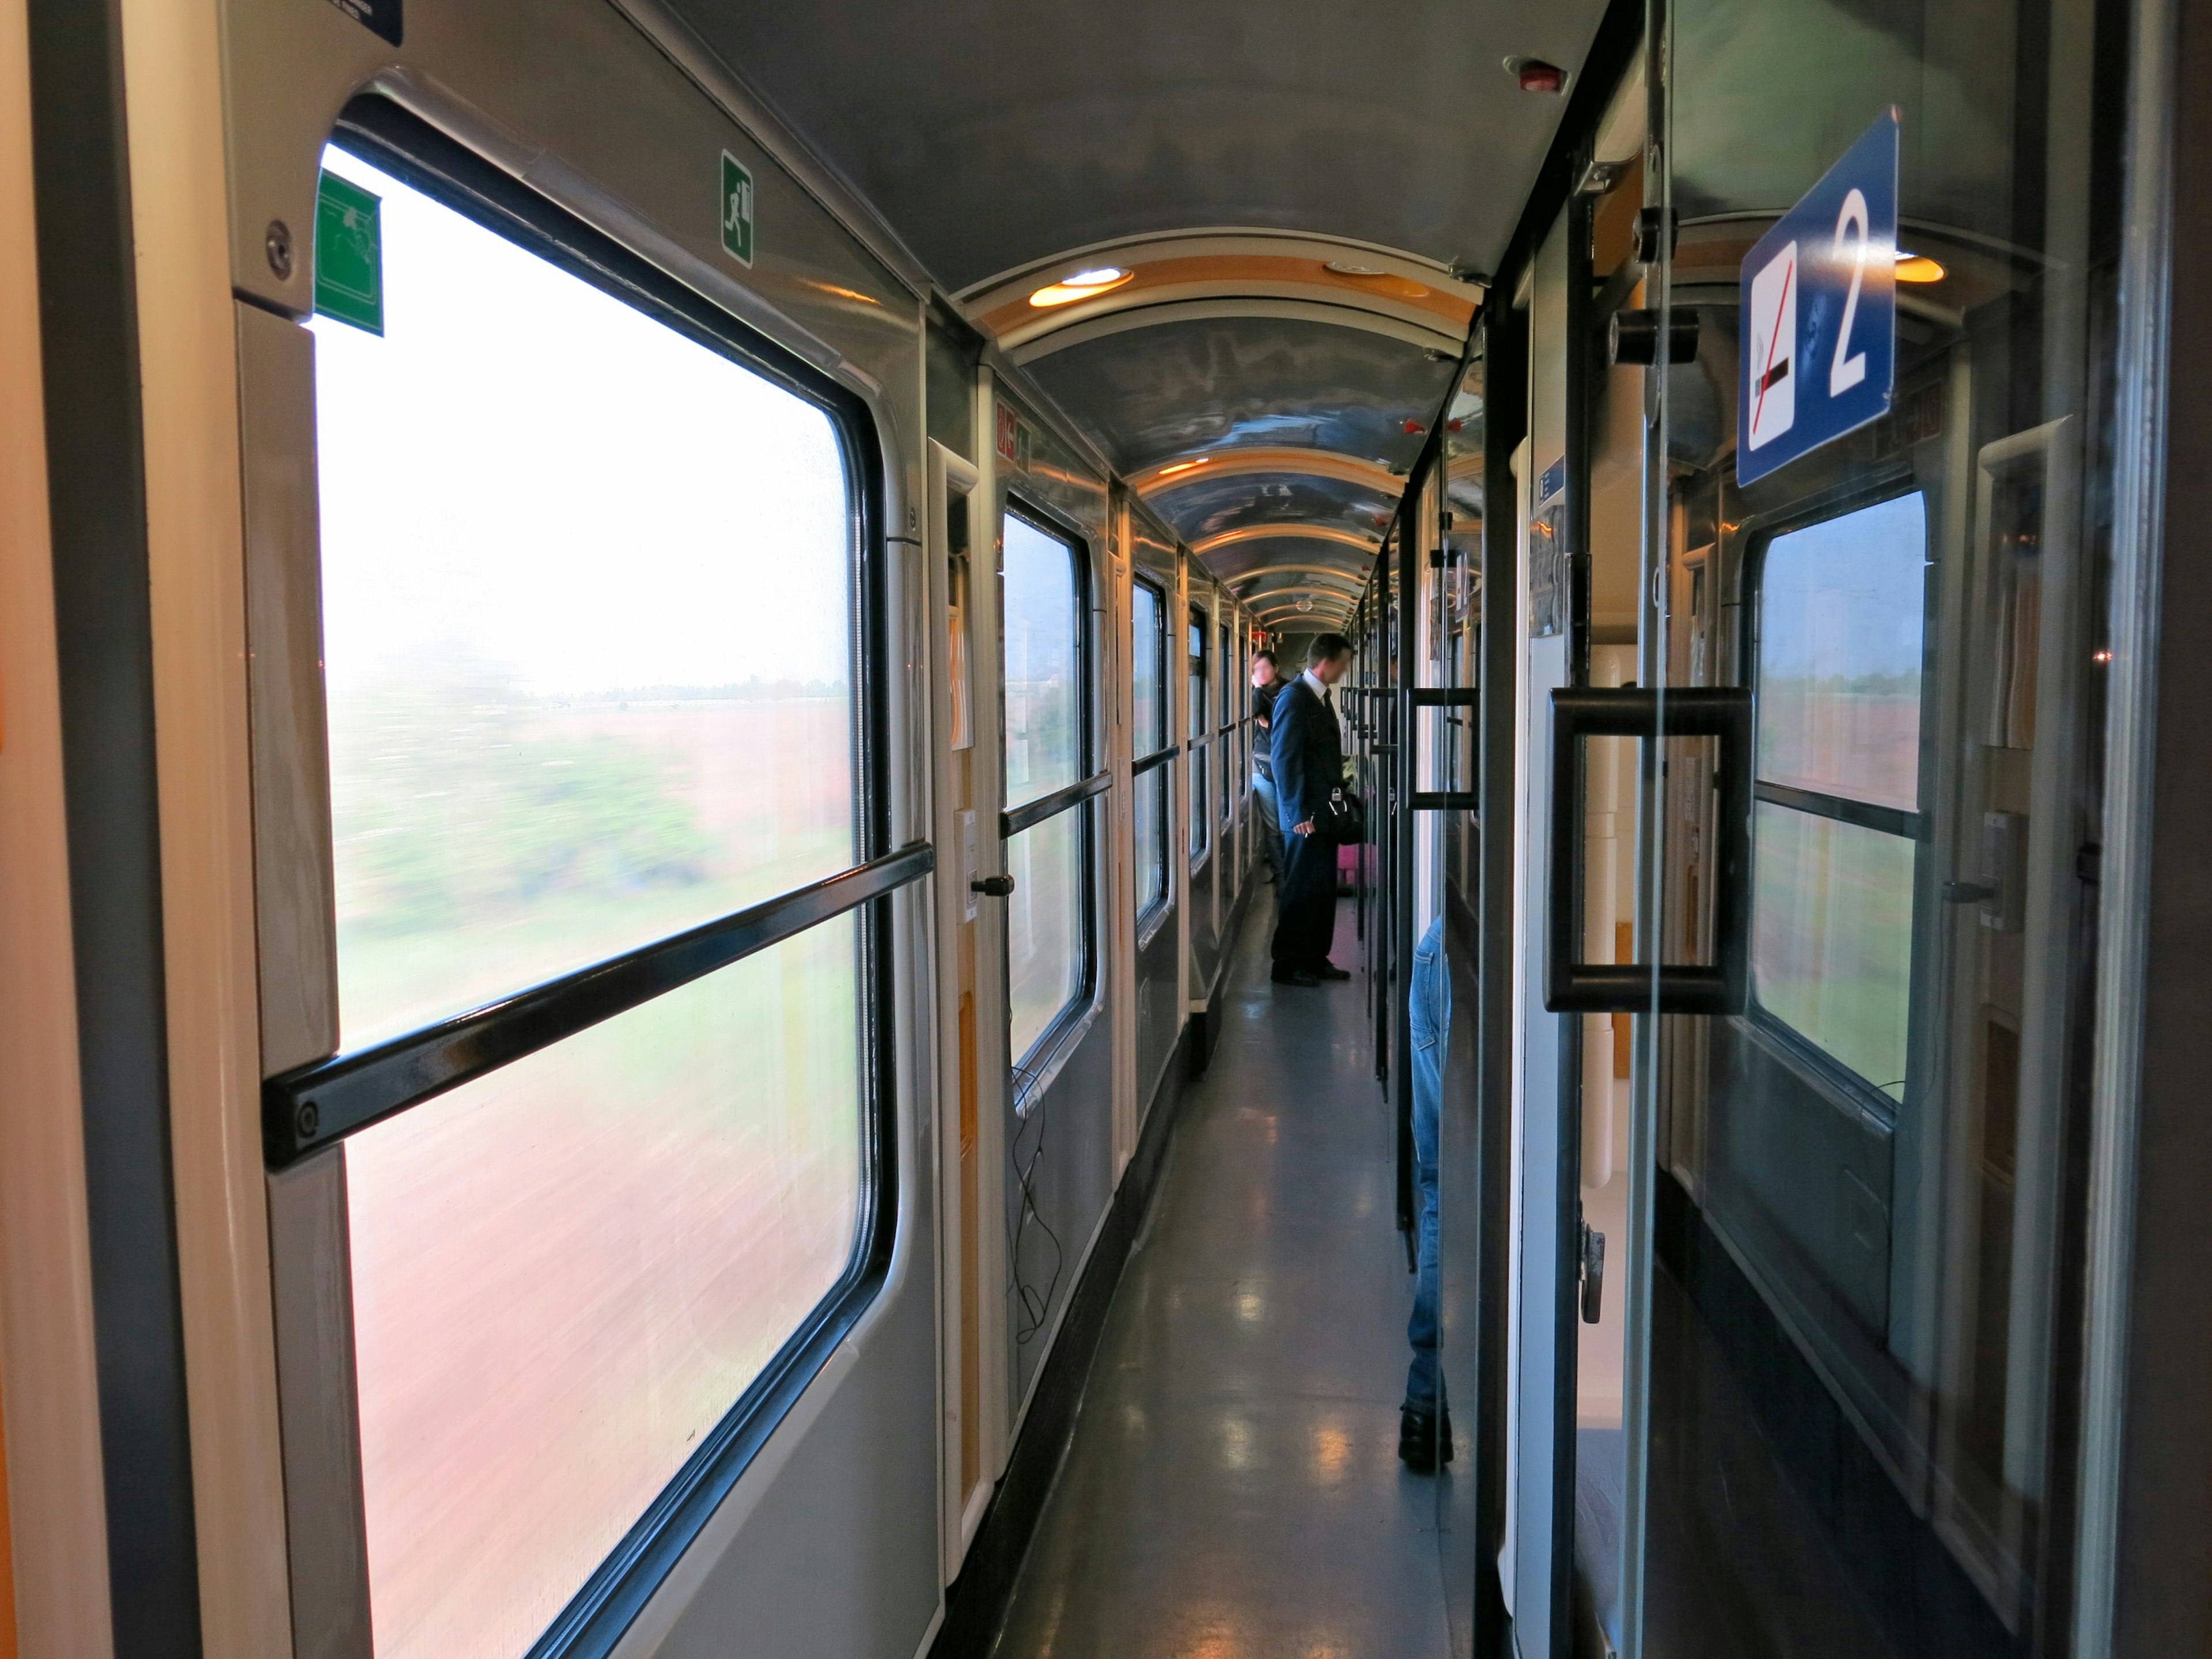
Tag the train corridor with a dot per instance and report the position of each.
(1232, 1487)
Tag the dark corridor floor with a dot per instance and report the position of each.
(1233, 1490)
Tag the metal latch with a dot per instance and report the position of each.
(993, 886)
(1593, 1272)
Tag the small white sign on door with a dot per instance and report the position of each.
(1772, 387)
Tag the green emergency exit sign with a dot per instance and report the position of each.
(736, 210)
(349, 254)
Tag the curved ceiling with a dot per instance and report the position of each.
(1299, 200)
(994, 134)
(1188, 386)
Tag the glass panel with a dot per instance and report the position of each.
(565, 1274)
(1197, 767)
(1840, 606)
(1148, 668)
(587, 616)
(1043, 690)
(1196, 647)
(1150, 795)
(1831, 937)
(1864, 1382)
(1044, 927)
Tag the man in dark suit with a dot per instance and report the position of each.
(1308, 756)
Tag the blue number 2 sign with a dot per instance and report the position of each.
(1819, 312)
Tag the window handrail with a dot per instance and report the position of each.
(1866, 814)
(1016, 819)
(314, 1105)
(1144, 763)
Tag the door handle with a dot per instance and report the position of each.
(1572, 986)
(992, 886)
(1592, 1273)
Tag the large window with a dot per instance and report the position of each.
(1047, 846)
(1200, 726)
(1838, 665)
(590, 583)
(1151, 750)
(1225, 687)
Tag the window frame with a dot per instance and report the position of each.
(1225, 729)
(1142, 762)
(305, 1109)
(1198, 722)
(1797, 1049)
(1032, 1069)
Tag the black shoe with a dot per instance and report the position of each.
(1294, 976)
(1417, 1441)
(1328, 969)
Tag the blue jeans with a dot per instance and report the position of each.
(1429, 1005)
(1271, 831)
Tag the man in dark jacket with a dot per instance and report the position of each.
(1308, 756)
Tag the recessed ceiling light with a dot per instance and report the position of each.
(1182, 466)
(1918, 267)
(1351, 268)
(1081, 286)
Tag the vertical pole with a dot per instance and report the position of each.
(1504, 404)
(1412, 564)
(1384, 802)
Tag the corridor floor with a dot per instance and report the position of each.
(1233, 1490)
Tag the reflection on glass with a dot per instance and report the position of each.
(1044, 725)
(565, 1274)
(1044, 927)
(1196, 771)
(1148, 669)
(1831, 937)
(1197, 671)
(586, 614)
(1150, 795)
(1839, 638)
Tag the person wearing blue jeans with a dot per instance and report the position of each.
(1425, 1421)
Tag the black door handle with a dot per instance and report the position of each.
(1572, 986)
(992, 886)
(1592, 1273)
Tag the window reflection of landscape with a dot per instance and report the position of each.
(588, 623)
(585, 624)
(1043, 701)
(1838, 680)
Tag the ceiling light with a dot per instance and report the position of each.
(1081, 286)
(1182, 466)
(1350, 268)
(1918, 268)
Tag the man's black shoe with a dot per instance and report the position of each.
(1294, 976)
(1327, 970)
(1417, 1441)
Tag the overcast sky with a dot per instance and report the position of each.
(525, 470)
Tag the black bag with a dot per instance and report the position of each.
(1342, 819)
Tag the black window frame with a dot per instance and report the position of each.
(1033, 1065)
(1797, 1049)
(313, 1106)
(1225, 729)
(1162, 751)
(1198, 721)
